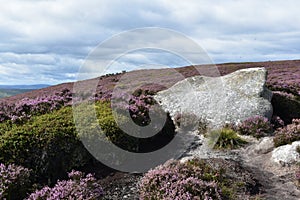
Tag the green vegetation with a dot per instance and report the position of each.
(44, 144)
(127, 142)
(111, 129)
(50, 142)
(39, 142)
(225, 139)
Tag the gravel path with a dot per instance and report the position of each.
(119, 186)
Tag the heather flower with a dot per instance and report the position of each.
(77, 187)
(26, 108)
(137, 105)
(14, 181)
(256, 126)
(288, 134)
(174, 180)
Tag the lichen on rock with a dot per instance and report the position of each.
(219, 100)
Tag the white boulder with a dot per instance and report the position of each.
(287, 154)
(219, 100)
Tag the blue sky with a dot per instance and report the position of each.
(46, 41)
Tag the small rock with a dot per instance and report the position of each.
(286, 155)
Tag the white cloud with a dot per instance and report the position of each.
(46, 41)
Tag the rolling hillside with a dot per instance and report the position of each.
(283, 75)
(39, 135)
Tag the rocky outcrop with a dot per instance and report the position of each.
(219, 100)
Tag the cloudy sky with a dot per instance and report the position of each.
(46, 41)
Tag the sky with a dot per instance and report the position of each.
(48, 41)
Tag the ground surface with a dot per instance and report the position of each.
(263, 179)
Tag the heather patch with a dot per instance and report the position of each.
(190, 180)
(78, 186)
(288, 134)
(25, 108)
(14, 181)
(198, 179)
(277, 122)
(256, 126)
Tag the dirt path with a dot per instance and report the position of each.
(277, 182)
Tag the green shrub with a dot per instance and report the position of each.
(225, 139)
(50, 145)
(47, 144)
(112, 130)
(5, 126)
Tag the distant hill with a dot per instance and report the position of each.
(11, 90)
(27, 87)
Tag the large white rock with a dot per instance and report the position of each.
(287, 154)
(219, 100)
